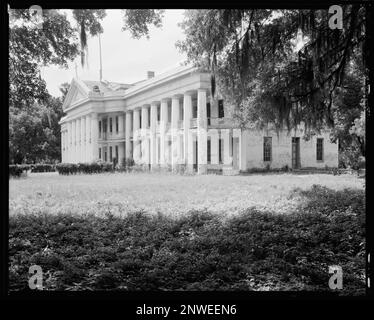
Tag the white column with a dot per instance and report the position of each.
(68, 155)
(78, 140)
(128, 135)
(174, 132)
(191, 151)
(94, 136)
(83, 139)
(163, 121)
(145, 140)
(153, 160)
(74, 142)
(226, 136)
(187, 115)
(136, 122)
(144, 118)
(88, 149)
(214, 145)
(201, 131)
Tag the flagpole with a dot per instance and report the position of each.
(101, 68)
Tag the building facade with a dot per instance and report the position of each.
(169, 121)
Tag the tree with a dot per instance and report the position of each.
(254, 59)
(34, 133)
(88, 20)
(137, 21)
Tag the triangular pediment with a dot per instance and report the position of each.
(77, 91)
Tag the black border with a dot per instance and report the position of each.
(244, 300)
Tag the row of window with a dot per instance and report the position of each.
(103, 153)
(103, 125)
(267, 148)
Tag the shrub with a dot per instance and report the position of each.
(86, 168)
(42, 167)
(15, 170)
(127, 163)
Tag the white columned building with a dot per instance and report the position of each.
(171, 121)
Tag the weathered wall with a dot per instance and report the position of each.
(252, 147)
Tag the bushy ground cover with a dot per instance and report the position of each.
(257, 248)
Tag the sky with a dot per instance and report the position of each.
(124, 59)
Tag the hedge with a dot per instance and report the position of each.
(43, 167)
(87, 168)
(15, 170)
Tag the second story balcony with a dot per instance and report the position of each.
(103, 136)
(221, 123)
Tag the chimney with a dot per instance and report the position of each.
(150, 74)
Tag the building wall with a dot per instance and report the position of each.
(252, 147)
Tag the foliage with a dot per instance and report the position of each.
(16, 170)
(198, 251)
(88, 21)
(34, 132)
(127, 163)
(137, 21)
(43, 167)
(86, 168)
(33, 113)
(256, 63)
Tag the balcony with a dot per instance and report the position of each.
(111, 135)
(221, 123)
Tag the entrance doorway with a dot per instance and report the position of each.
(295, 152)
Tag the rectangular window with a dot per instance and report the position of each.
(181, 110)
(110, 125)
(158, 113)
(194, 108)
(99, 153)
(105, 122)
(100, 130)
(208, 152)
(140, 120)
(117, 124)
(208, 112)
(267, 148)
(105, 154)
(221, 110)
(220, 150)
(149, 117)
(319, 149)
(117, 154)
(169, 112)
(132, 149)
(110, 154)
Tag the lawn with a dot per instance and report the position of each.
(169, 194)
(168, 232)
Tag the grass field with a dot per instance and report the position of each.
(168, 194)
(168, 232)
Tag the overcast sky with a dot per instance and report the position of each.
(124, 59)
